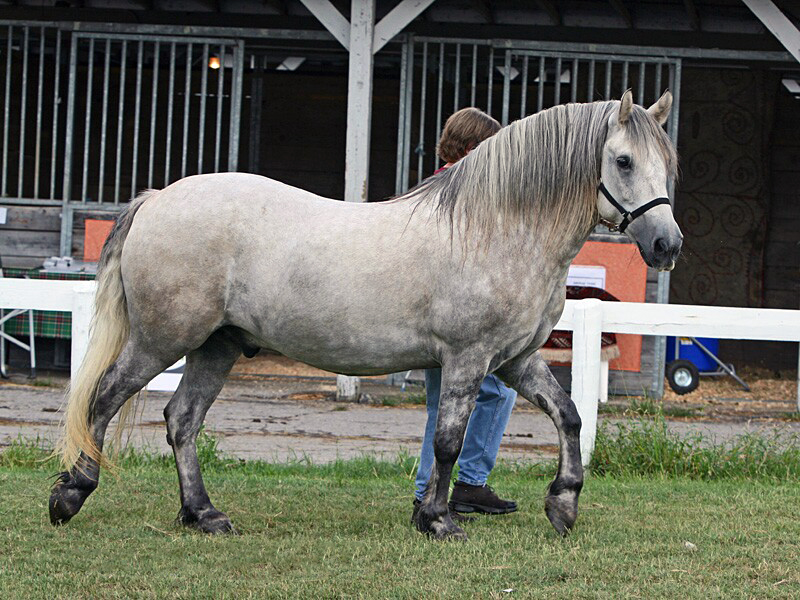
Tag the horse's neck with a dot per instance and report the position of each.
(537, 248)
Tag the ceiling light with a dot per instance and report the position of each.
(291, 63)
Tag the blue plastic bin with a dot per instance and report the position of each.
(689, 351)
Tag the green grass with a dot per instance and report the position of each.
(342, 530)
(647, 407)
(400, 399)
(647, 447)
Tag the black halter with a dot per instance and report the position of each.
(627, 217)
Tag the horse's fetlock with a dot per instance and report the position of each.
(571, 483)
(78, 479)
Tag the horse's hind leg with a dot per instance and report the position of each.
(205, 373)
(460, 388)
(532, 378)
(129, 374)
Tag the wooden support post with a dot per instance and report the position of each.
(359, 101)
(362, 39)
(604, 381)
(359, 120)
(588, 322)
(348, 389)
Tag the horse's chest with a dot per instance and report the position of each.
(546, 316)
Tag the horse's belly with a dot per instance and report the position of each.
(333, 349)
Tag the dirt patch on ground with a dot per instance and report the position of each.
(772, 396)
(265, 363)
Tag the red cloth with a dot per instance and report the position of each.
(562, 340)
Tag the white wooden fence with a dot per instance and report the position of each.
(585, 318)
(76, 297)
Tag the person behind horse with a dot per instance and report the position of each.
(462, 132)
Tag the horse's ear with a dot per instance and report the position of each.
(660, 110)
(625, 107)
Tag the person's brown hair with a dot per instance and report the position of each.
(464, 130)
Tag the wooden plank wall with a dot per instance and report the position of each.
(30, 234)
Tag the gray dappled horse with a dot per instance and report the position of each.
(467, 271)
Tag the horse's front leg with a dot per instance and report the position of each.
(532, 378)
(460, 386)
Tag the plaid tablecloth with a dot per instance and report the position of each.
(48, 324)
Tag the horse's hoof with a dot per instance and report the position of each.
(437, 527)
(216, 524)
(66, 499)
(213, 522)
(455, 534)
(562, 510)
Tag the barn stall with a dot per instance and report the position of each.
(103, 100)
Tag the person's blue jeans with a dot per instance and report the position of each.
(482, 438)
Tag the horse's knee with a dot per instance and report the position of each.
(570, 419)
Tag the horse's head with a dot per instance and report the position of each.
(637, 163)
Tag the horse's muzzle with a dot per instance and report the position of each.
(662, 253)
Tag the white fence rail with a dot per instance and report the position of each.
(76, 297)
(585, 318)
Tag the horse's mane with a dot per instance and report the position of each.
(541, 171)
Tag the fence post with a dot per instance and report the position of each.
(82, 307)
(586, 369)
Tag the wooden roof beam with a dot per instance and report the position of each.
(691, 12)
(388, 27)
(484, 7)
(777, 23)
(623, 12)
(396, 20)
(551, 9)
(279, 6)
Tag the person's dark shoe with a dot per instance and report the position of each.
(458, 518)
(468, 498)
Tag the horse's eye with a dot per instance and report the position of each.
(624, 162)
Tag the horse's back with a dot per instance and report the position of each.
(296, 271)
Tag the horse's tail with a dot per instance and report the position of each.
(109, 333)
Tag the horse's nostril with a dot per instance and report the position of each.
(660, 246)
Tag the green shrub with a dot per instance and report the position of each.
(648, 447)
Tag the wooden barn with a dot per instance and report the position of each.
(103, 98)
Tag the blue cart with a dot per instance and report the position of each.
(688, 358)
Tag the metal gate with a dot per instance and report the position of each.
(115, 113)
(512, 79)
(439, 77)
